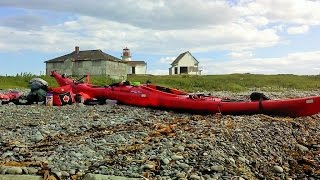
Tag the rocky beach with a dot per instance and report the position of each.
(76, 141)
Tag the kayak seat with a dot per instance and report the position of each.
(256, 96)
(164, 89)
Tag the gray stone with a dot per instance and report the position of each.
(37, 138)
(181, 148)
(242, 159)
(24, 177)
(58, 173)
(3, 169)
(216, 176)
(14, 170)
(106, 177)
(278, 169)
(148, 166)
(181, 175)
(302, 148)
(32, 170)
(217, 168)
(316, 145)
(232, 161)
(24, 170)
(144, 134)
(7, 154)
(206, 176)
(65, 174)
(72, 171)
(176, 157)
(165, 161)
(194, 176)
(183, 165)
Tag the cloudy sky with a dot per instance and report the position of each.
(225, 36)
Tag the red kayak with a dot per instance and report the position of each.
(147, 95)
(11, 96)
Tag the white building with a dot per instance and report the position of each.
(134, 67)
(185, 63)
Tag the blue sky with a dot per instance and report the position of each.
(226, 36)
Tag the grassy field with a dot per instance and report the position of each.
(230, 82)
(236, 82)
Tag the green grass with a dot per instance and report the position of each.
(234, 82)
(230, 82)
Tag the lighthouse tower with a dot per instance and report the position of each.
(126, 55)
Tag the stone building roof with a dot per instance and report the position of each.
(88, 55)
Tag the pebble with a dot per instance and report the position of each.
(217, 168)
(7, 154)
(65, 174)
(58, 173)
(165, 161)
(316, 145)
(216, 176)
(37, 138)
(32, 170)
(302, 148)
(194, 176)
(232, 161)
(72, 171)
(242, 159)
(148, 166)
(183, 165)
(278, 169)
(14, 170)
(181, 175)
(181, 148)
(177, 157)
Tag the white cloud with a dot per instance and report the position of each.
(167, 60)
(284, 11)
(279, 27)
(19, 21)
(159, 72)
(298, 29)
(241, 55)
(173, 14)
(304, 63)
(257, 20)
(109, 35)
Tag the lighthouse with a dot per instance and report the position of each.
(126, 55)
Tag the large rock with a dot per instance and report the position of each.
(105, 177)
(15, 177)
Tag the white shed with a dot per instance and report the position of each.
(185, 63)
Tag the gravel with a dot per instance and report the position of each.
(75, 140)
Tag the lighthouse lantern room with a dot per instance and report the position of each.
(126, 55)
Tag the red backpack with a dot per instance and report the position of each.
(62, 95)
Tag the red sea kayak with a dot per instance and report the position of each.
(147, 95)
(11, 96)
